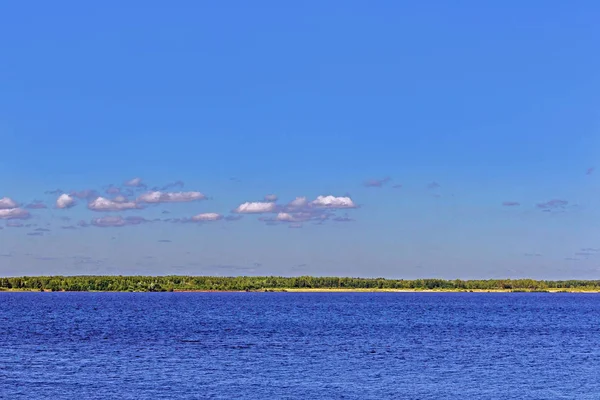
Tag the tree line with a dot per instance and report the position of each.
(261, 283)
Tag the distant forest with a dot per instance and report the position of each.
(267, 283)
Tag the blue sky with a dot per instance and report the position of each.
(452, 140)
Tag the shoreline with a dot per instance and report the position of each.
(300, 284)
(315, 290)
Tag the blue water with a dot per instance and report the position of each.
(299, 346)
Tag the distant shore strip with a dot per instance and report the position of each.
(102, 283)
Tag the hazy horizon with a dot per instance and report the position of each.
(390, 140)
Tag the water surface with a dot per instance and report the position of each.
(299, 345)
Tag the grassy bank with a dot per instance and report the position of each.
(289, 284)
(309, 290)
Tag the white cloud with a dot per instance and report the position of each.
(65, 201)
(271, 197)
(14, 213)
(285, 217)
(117, 221)
(333, 202)
(135, 182)
(170, 197)
(6, 203)
(109, 221)
(103, 204)
(299, 216)
(207, 217)
(255, 207)
(298, 202)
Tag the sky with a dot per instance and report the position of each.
(372, 139)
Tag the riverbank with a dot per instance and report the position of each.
(309, 290)
(171, 283)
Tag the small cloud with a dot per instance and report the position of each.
(87, 194)
(164, 241)
(571, 259)
(510, 203)
(333, 202)
(233, 217)
(398, 186)
(68, 227)
(590, 249)
(166, 212)
(42, 230)
(433, 185)
(7, 203)
(257, 207)
(36, 205)
(584, 253)
(296, 216)
(298, 202)
(65, 201)
(271, 198)
(552, 205)
(206, 217)
(234, 179)
(170, 197)
(35, 234)
(135, 182)
(14, 213)
(589, 171)
(54, 192)
(135, 220)
(113, 190)
(117, 221)
(343, 219)
(103, 204)
(532, 254)
(285, 217)
(376, 182)
(171, 185)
